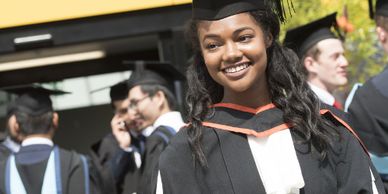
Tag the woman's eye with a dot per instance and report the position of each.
(245, 38)
(211, 46)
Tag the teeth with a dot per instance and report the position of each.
(236, 68)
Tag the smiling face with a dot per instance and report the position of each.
(329, 69)
(234, 51)
(145, 109)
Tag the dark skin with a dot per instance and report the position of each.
(234, 51)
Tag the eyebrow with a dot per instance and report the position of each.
(234, 33)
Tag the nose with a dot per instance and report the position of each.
(131, 112)
(343, 61)
(232, 52)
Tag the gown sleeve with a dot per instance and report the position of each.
(176, 167)
(354, 169)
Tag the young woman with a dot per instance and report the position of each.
(255, 127)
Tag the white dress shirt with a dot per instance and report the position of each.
(37, 140)
(323, 95)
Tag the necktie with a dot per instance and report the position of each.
(337, 105)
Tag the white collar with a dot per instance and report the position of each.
(37, 140)
(147, 131)
(172, 119)
(10, 144)
(323, 95)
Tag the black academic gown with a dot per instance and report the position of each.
(31, 162)
(117, 167)
(4, 151)
(369, 113)
(155, 145)
(232, 169)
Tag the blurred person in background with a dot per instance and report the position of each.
(126, 180)
(152, 107)
(40, 166)
(368, 107)
(322, 57)
(10, 142)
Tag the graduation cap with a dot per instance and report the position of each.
(302, 38)
(218, 9)
(165, 69)
(156, 72)
(153, 72)
(118, 91)
(147, 77)
(32, 99)
(380, 9)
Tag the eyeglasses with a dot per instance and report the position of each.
(134, 102)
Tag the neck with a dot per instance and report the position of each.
(319, 84)
(163, 110)
(47, 136)
(253, 98)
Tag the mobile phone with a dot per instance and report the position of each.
(122, 124)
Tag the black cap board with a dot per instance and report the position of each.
(165, 69)
(32, 99)
(381, 8)
(302, 38)
(147, 77)
(118, 91)
(153, 72)
(218, 9)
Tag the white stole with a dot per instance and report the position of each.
(49, 181)
(277, 163)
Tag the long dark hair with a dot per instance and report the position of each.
(288, 90)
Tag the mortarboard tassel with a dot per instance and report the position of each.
(279, 9)
(371, 11)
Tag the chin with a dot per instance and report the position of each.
(239, 87)
(342, 82)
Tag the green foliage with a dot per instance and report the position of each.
(365, 56)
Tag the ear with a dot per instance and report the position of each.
(55, 120)
(160, 98)
(13, 124)
(381, 34)
(310, 64)
(269, 40)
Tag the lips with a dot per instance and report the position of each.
(236, 68)
(236, 71)
(343, 73)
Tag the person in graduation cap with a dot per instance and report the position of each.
(40, 166)
(254, 124)
(152, 106)
(124, 180)
(322, 57)
(368, 109)
(10, 143)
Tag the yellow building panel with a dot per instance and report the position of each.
(24, 12)
(177, 2)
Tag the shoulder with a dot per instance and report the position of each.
(72, 160)
(3, 136)
(347, 136)
(375, 85)
(161, 135)
(4, 152)
(177, 149)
